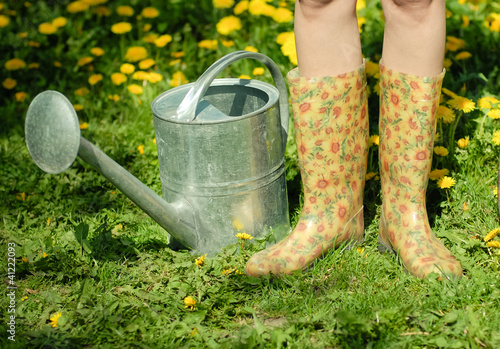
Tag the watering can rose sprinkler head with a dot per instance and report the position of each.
(52, 133)
(221, 145)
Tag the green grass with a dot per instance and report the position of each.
(95, 257)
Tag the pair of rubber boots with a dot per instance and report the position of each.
(330, 117)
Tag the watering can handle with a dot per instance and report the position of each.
(187, 108)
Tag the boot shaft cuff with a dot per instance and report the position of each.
(418, 88)
(357, 77)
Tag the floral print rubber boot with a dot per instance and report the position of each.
(407, 124)
(331, 132)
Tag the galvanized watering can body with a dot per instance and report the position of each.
(221, 150)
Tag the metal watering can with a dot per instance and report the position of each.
(221, 147)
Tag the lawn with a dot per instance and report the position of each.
(93, 270)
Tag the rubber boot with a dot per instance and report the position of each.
(331, 132)
(407, 125)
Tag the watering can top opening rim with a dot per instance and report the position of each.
(271, 91)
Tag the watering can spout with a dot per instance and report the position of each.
(53, 138)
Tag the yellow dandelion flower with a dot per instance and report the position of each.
(84, 125)
(127, 68)
(95, 78)
(154, 77)
(463, 55)
(114, 98)
(260, 7)
(373, 69)
(9, 83)
(121, 27)
(136, 54)
(491, 234)
(454, 44)
(200, 260)
(25, 260)
(140, 75)
(437, 174)
(370, 175)
(118, 78)
(495, 244)
(244, 236)
(251, 49)
(135, 89)
(258, 71)
(284, 37)
(245, 77)
(4, 21)
(14, 64)
(441, 151)
(492, 22)
(282, 15)
(208, 44)
(97, 51)
(449, 93)
(461, 103)
(194, 332)
(35, 44)
(228, 24)
(140, 149)
(178, 54)
(24, 298)
(34, 65)
(82, 91)
(465, 21)
(374, 139)
(78, 107)
(150, 12)
(126, 11)
(241, 7)
(44, 255)
(361, 21)
(446, 182)
(150, 38)
(54, 318)
(178, 78)
(465, 207)
(227, 43)
(446, 114)
(47, 28)
(223, 3)
(84, 60)
(189, 302)
(21, 196)
(495, 191)
(59, 22)
(102, 11)
(487, 102)
(496, 137)
(147, 63)
(447, 63)
(21, 96)
(494, 113)
(289, 50)
(463, 142)
(360, 250)
(163, 40)
(77, 6)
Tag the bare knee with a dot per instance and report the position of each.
(332, 8)
(411, 4)
(411, 10)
